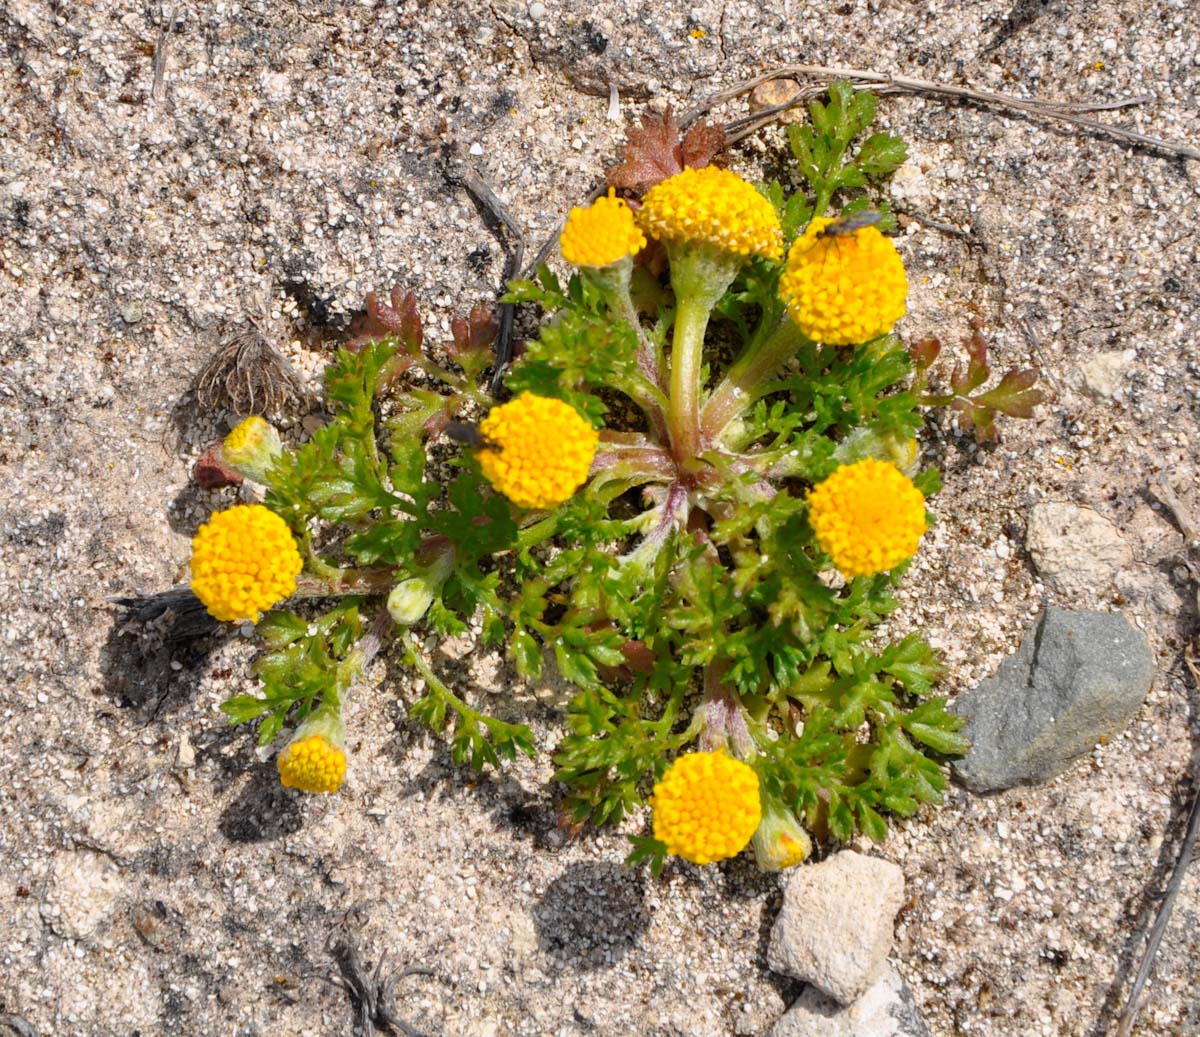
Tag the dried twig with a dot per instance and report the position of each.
(1133, 1003)
(160, 52)
(373, 992)
(929, 221)
(512, 240)
(19, 1026)
(886, 82)
(1187, 848)
(1031, 336)
(1179, 512)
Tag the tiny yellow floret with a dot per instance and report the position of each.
(868, 517)
(706, 807)
(312, 764)
(844, 289)
(603, 233)
(246, 434)
(538, 450)
(714, 207)
(244, 560)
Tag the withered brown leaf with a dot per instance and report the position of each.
(655, 151)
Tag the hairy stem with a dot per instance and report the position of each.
(745, 377)
(691, 321)
(646, 391)
(418, 661)
(700, 275)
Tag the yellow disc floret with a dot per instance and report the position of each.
(244, 560)
(601, 234)
(844, 289)
(246, 435)
(868, 517)
(312, 764)
(713, 207)
(537, 450)
(706, 807)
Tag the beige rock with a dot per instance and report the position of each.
(1077, 551)
(775, 92)
(83, 891)
(1102, 376)
(836, 925)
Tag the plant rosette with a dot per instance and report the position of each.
(696, 499)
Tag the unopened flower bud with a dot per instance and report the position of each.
(410, 600)
(779, 842)
(252, 448)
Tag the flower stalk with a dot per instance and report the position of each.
(699, 277)
(747, 378)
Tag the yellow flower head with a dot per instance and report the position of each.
(601, 234)
(312, 764)
(714, 207)
(844, 289)
(244, 560)
(706, 807)
(868, 517)
(252, 448)
(537, 450)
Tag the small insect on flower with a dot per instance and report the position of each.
(848, 224)
(467, 433)
(844, 226)
(844, 282)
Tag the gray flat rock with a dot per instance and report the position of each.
(1077, 677)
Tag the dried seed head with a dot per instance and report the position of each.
(248, 375)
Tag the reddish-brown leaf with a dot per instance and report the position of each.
(381, 320)
(476, 333)
(1015, 395)
(701, 143)
(655, 151)
(924, 353)
(211, 472)
(652, 153)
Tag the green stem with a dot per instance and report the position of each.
(533, 535)
(742, 382)
(691, 321)
(421, 664)
(824, 197)
(326, 579)
(612, 282)
(700, 275)
(435, 370)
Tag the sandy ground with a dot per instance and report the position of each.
(154, 879)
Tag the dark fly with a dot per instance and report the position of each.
(843, 227)
(848, 224)
(467, 432)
